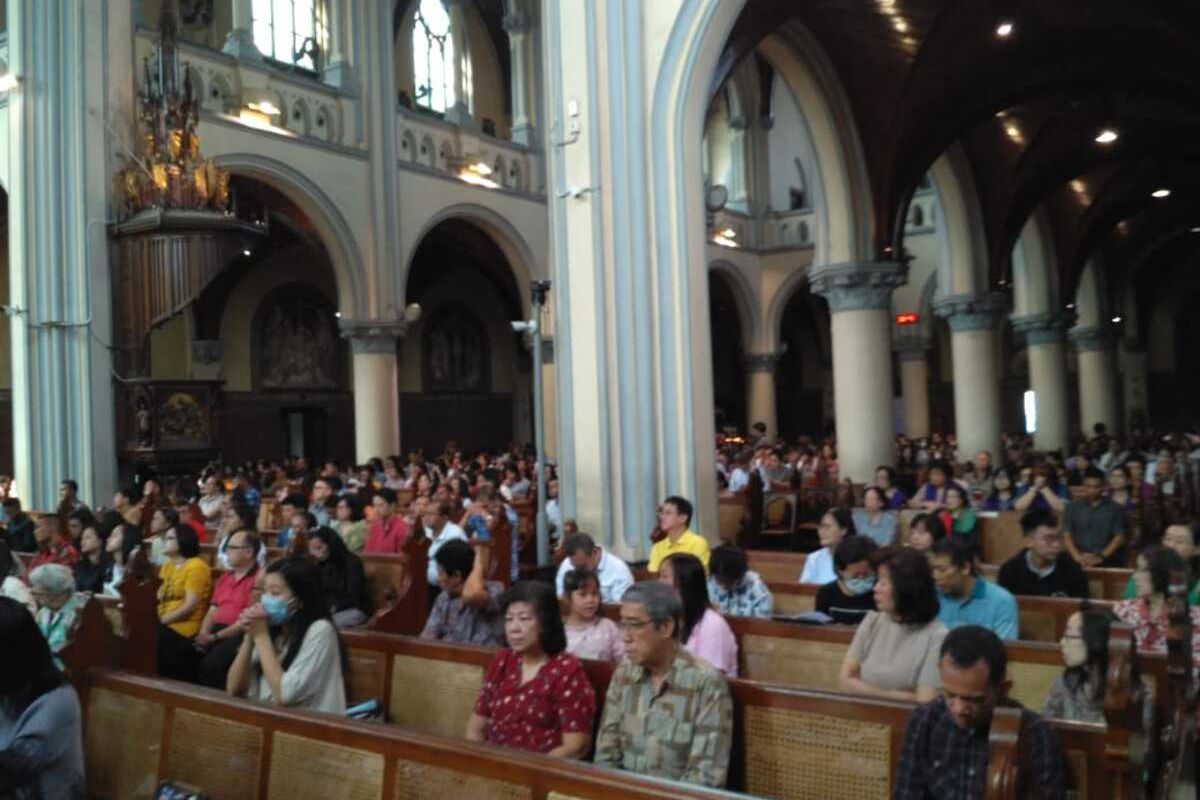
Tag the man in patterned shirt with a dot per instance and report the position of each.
(945, 754)
(667, 713)
(736, 590)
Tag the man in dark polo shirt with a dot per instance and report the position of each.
(1042, 568)
(1095, 526)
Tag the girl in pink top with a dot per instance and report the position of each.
(589, 635)
(705, 632)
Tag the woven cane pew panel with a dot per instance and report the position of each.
(435, 697)
(303, 767)
(793, 662)
(123, 742)
(226, 765)
(417, 781)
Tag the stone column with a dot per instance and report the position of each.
(1097, 378)
(239, 43)
(338, 70)
(914, 384)
(739, 190)
(517, 24)
(1045, 338)
(59, 275)
(376, 390)
(760, 390)
(460, 113)
(975, 354)
(859, 297)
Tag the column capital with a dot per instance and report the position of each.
(865, 286)
(373, 335)
(912, 348)
(516, 23)
(965, 312)
(1047, 327)
(761, 362)
(1086, 340)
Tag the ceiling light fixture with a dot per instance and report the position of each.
(265, 107)
(724, 241)
(1004, 30)
(1160, 194)
(1116, 320)
(1107, 136)
(729, 233)
(1195, 230)
(246, 253)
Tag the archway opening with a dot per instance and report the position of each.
(804, 376)
(728, 350)
(464, 374)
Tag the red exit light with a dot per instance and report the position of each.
(908, 319)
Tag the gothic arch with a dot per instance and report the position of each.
(963, 266)
(744, 295)
(521, 259)
(332, 227)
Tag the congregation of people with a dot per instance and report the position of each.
(929, 628)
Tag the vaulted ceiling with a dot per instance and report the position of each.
(1026, 107)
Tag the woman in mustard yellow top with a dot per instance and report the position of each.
(182, 602)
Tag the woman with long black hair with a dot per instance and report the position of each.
(41, 727)
(704, 632)
(290, 654)
(343, 579)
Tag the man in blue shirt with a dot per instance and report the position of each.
(966, 598)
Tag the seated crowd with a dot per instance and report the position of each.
(929, 628)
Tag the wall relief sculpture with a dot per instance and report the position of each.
(298, 346)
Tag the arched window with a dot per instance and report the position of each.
(292, 32)
(433, 57)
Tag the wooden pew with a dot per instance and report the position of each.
(240, 750)
(789, 743)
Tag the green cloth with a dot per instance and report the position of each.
(1193, 594)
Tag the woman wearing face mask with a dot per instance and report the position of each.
(896, 649)
(848, 599)
(836, 524)
(290, 654)
(1182, 539)
(1078, 694)
(589, 635)
(1147, 613)
(535, 695)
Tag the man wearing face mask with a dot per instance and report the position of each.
(945, 751)
(848, 599)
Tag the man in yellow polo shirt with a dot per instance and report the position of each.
(674, 517)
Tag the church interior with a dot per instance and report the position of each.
(706, 311)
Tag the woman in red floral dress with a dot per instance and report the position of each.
(1147, 612)
(535, 695)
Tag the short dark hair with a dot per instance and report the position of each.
(355, 505)
(333, 481)
(72, 485)
(579, 543)
(126, 492)
(576, 579)
(914, 592)
(852, 550)
(960, 551)
(1161, 562)
(296, 500)
(12, 503)
(883, 498)
(1093, 473)
(251, 539)
(966, 646)
(943, 467)
(188, 541)
(682, 506)
(937, 528)
(387, 495)
(309, 520)
(455, 557)
(541, 597)
(891, 473)
(1035, 518)
(728, 562)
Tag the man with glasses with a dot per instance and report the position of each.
(667, 713)
(1043, 568)
(220, 634)
(674, 521)
(945, 751)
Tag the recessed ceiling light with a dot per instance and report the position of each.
(1195, 230)
(1159, 194)
(1004, 30)
(246, 253)
(1107, 136)
(1116, 320)
(1071, 306)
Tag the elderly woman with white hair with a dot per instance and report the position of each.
(53, 587)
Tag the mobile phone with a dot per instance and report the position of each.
(477, 527)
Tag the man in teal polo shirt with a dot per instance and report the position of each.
(964, 597)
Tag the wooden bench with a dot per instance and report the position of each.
(240, 750)
(789, 743)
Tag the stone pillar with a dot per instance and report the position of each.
(1097, 378)
(460, 113)
(859, 297)
(517, 24)
(239, 43)
(59, 276)
(376, 389)
(914, 384)
(633, 361)
(760, 390)
(338, 70)
(975, 354)
(1045, 338)
(1135, 368)
(739, 190)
